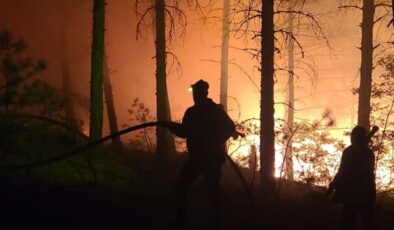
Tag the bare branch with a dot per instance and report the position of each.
(141, 20)
(381, 17)
(351, 7)
(291, 35)
(240, 68)
(174, 61)
(384, 5)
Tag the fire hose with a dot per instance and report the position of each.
(113, 135)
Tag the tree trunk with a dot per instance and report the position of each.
(267, 135)
(224, 55)
(109, 99)
(67, 89)
(96, 82)
(364, 97)
(290, 108)
(165, 145)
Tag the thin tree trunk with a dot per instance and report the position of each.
(364, 99)
(165, 145)
(96, 82)
(109, 99)
(224, 55)
(290, 107)
(267, 135)
(67, 89)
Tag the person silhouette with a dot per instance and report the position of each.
(206, 127)
(354, 183)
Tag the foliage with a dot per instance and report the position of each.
(31, 118)
(316, 153)
(384, 85)
(144, 139)
(247, 23)
(236, 148)
(140, 114)
(382, 96)
(21, 91)
(382, 101)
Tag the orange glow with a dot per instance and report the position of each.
(240, 150)
(324, 77)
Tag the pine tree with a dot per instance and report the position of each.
(96, 82)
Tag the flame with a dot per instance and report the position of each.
(240, 152)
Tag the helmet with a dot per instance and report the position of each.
(358, 135)
(200, 86)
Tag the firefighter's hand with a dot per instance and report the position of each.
(237, 134)
(174, 127)
(375, 129)
(329, 190)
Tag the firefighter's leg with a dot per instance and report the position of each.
(368, 216)
(212, 178)
(349, 216)
(189, 173)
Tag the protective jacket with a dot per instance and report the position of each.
(206, 127)
(355, 180)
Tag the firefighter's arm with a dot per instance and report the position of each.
(330, 189)
(176, 128)
(338, 178)
(229, 127)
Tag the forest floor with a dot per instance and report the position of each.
(151, 206)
